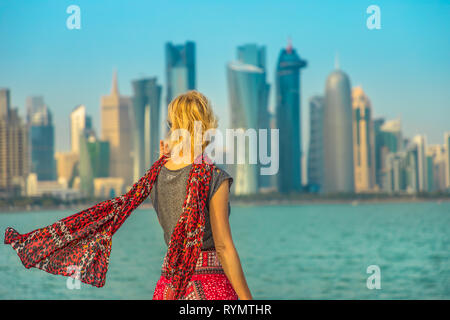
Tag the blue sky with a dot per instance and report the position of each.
(404, 67)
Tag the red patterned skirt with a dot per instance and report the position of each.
(208, 282)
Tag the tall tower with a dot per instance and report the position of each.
(447, 159)
(337, 134)
(422, 171)
(146, 109)
(41, 142)
(14, 153)
(248, 95)
(288, 112)
(363, 141)
(116, 129)
(315, 152)
(79, 121)
(180, 69)
(94, 161)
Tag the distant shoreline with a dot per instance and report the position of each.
(241, 202)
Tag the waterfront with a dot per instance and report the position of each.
(318, 251)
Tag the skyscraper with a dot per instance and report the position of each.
(447, 159)
(116, 129)
(396, 166)
(378, 145)
(363, 141)
(436, 167)
(94, 160)
(337, 134)
(422, 170)
(146, 124)
(248, 95)
(42, 142)
(288, 111)
(79, 121)
(180, 69)
(5, 103)
(14, 154)
(388, 139)
(315, 152)
(34, 104)
(67, 166)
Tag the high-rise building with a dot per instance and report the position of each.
(436, 167)
(396, 166)
(180, 69)
(378, 145)
(14, 153)
(363, 141)
(94, 161)
(422, 171)
(248, 97)
(401, 170)
(42, 142)
(411, 174)
(5, 103)
(116, 129)
(34, 104)
(315, 152)
(392, 135)
(146, 103)
(79, 121)
(447, 159)
(338, 135)
(288, 111)
(388, 139)
(67, 166)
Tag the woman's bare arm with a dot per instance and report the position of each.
(228, 256)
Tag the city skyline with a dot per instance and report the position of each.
(392, 64)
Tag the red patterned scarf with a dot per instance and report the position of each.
(82, 242)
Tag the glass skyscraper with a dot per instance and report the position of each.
(420, 143)
(42, 141)
(315, 151)
(180, 69)
(146, 103)
(288, 111)
(94, 161)
(248, 96)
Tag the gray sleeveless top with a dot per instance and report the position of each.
(168, 196)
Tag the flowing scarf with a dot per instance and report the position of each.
(80, 244)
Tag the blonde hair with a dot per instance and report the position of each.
(185, 110)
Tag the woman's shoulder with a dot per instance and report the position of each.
(218, 177)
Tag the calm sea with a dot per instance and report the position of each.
(287, 252)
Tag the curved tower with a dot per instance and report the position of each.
(248, 94)
(337, 134)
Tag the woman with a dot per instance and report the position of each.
(191, 201)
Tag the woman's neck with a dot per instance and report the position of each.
(172, 165)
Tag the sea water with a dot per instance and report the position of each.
(319, 251)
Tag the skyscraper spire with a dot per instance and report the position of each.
(289, 45)
(115, 87)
